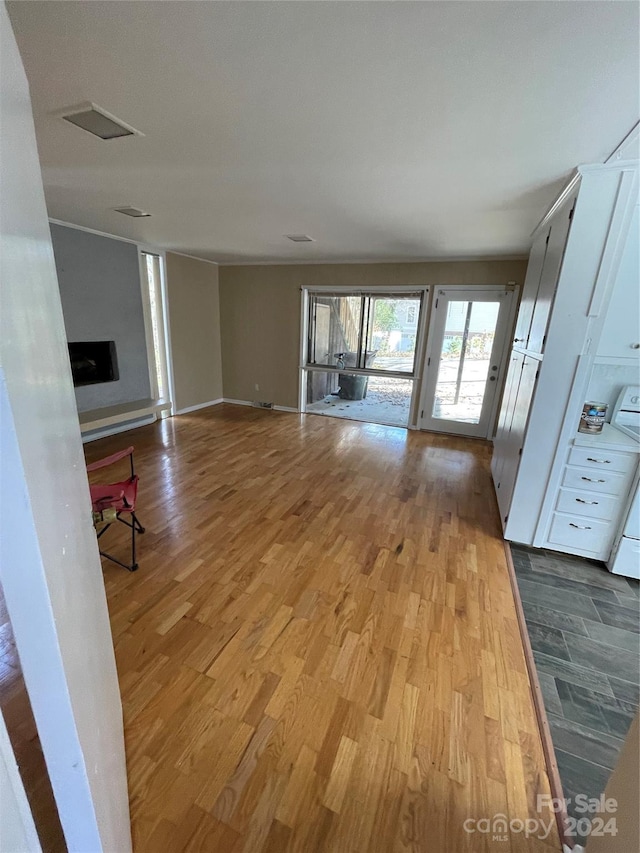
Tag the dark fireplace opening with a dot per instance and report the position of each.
(93, 362)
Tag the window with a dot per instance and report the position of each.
(152, 275)
(363, 331)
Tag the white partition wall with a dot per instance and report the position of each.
(49, 564)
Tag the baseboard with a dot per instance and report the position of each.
(195, 408)
(250, 403)
(237, 402)
(114, 430)
(538, 703)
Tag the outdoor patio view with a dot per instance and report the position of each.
(373, 333)
(465, 360)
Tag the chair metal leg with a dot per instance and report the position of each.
(136, 527)
(131, 568)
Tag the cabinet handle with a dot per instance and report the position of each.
(591, 480)
(578, 526)
(589, 503)
(635, 346)
(599, 461)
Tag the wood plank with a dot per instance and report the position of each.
(320, 649)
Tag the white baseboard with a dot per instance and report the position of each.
(114, 430)
(237, 402)
(200, 406)
(249, 403)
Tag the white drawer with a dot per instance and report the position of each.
(575, 531)
(603, 460)
(589, 504)
(588, 479)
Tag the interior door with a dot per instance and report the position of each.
(466, 350)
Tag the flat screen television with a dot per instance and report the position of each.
(93, 362)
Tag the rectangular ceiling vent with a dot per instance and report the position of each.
(132, 211)
(97, 121)
(299, 238)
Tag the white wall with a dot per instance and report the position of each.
(49, 565)
(624, 788)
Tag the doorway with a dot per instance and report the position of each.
(360, 353)
(467, 349)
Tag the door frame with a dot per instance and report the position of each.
(512, 291)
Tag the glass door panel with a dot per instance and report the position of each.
(392, 333)
(465, 360)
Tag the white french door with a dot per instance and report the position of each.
(466, 352)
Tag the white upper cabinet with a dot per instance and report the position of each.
(620, 338)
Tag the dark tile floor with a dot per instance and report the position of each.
(584, 627)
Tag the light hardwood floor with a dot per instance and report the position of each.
(319, 651)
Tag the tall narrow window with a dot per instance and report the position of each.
(151, 270)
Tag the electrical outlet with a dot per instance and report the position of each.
(257, 387)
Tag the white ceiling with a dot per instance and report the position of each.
(385, 130)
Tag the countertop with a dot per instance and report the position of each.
(610, 439)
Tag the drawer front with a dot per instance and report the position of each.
(575, 531)
(603, 460)
(589, 504)
(590, 480)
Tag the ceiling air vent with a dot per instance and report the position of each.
(132, 211)
(97, 121)
(299, 238)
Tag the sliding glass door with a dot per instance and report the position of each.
(360, 353)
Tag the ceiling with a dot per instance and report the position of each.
(384, 130)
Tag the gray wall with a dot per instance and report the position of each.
(99, 281)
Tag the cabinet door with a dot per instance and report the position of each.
(520, 419)
(620, 336)
(560, 225)
(505, 452)
(530, 289)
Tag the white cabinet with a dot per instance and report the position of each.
(557, 240)
(580, 298)
(593, 492)
(619, 338)
(530, 288)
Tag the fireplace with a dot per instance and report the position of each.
(93, 362)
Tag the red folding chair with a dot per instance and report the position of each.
(120, 499)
